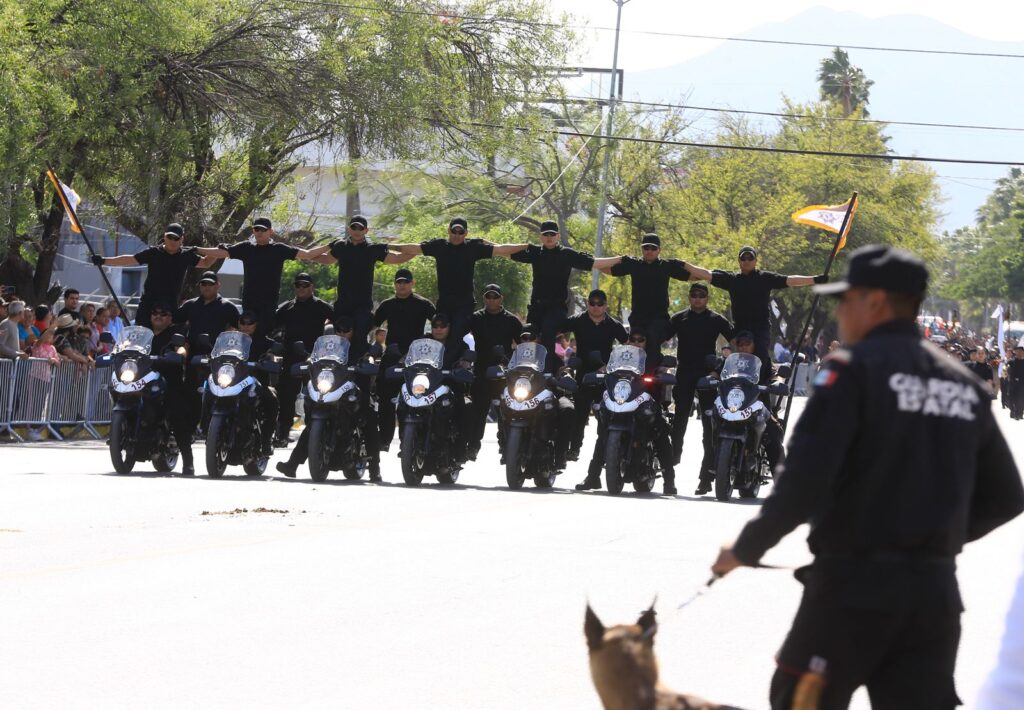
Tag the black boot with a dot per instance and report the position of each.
(287, 468)
(669, 477)
(591, 483)
(375, 472)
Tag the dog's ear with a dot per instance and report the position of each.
(648, 621)
(593, 629)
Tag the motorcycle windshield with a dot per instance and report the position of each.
(232, 343)
(136, 338)
(425, 351)
(743, 366)
(529, 355)
(628, 358)
(330, 347)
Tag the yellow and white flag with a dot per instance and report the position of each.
(829, 218)
(70, 199)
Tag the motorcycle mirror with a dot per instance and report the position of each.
(469, 356)
(203, 340)
(277, 348)
(177, 340)
(669, 361)
(107, 338)
(329, 329)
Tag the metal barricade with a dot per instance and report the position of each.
(98, 404)
(33, 392)
(805, 373)
(7, 389)
(68, 400)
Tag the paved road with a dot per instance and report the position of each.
(142, 591)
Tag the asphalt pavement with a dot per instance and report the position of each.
(156, 591)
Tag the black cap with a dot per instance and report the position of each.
(492, 288)
(549, 227)
(651, 238)
(248, 317)
(209, 277)
(598, 293)
(343, 324)
(403, 275)
(884, 267)
(175, 229)
(360, 220)
(748, 250)
(262, 222)
(637, 330)
(743, 335)
(699, 286)
(303, 278)
(459, 222)
(162, 306)
(440, 319)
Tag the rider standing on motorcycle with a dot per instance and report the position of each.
(407, 315)
(773, 434)
(248, 323)
(492, 326)
(179, 413)
(750, 292)
(891, 501)
(595, 331)
(697, 330)
(302, 319)
(441, 331)
(649, 278)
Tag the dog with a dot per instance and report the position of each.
(625, 671)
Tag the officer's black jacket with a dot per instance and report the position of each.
(697, 334)
(302, 320)
(591, 336)
(1015, 371)
(897, 455)
(490, 329)
(211, 319)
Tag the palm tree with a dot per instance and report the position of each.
(844, 83)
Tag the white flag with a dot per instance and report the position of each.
(1001, 337)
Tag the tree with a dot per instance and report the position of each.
(843, 83)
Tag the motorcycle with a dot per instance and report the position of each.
(528, 416)
(630, 455)
(739, 418)
(334, 407)
(425, 408)
(234, 435)
(139, 428)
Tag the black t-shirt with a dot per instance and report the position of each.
(262, 266)
(355, 271)
(697, 335)
(551, 270)
(649, 284)
(591, 336)
(303, 320)
(455, 267)
(981, 369)
(73, 314)
(407, 318)
(751, 296)
(165, 273)
(490, 329)
(212, 318)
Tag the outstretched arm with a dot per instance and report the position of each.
(313, 254)
(792, 281)
(396, 257)
(123, 260)
(325, 259)
(606, 262)
(508, 249)
(697, 273)
(413, 249)
(205, 263)
(216, 252)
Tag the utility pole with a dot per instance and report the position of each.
(603, 207)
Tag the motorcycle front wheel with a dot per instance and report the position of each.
(723, 469)
(217, 446)
(122, 444)
(412, 461)
(256, 467)
(321, 448)
(167, 459)
(515, 459)
(613, 462)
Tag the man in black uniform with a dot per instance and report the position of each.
(890, 503)
(649, 287)
(407, 315)
(166, 265)
(549, 297)
(180, 413)
(750, 292)
(492, 326)
(262, 263)
(301, 319)
(697, 330)
(356, 259)
(595, 331)
(773, 435)
(1015, 382)
(978, 364)
(456, 259)
(454, 349)
(259, 349)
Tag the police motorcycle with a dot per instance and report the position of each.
(234, 435)
(739, 418)
(630, 455)
(426, 405)
(139, 428)
(333, 406)
(528, 416)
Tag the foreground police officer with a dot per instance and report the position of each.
(890, 501)
(180, 410)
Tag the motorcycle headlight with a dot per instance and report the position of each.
(129, 370)
(734, 399)
(622, 391)
(324, 381)
(225, 375)
(521, 390)
(420, 384)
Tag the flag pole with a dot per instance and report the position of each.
(78, 227)
(814, 307)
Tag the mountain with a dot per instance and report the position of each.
(924, 88)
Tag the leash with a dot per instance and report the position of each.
(706, 587)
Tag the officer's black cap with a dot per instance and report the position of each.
(403, 275)
(440, 319)
(175, 229)
(359, 220)
(744, 335)
(748, 250)
(651, 239)
(262, 222)
(635, 330)
(549, 227)
(343, 324)
(303, 278)
(459, 222)
(162, 307)
(598, 294)
(209, 277)
(699, 287)
(248, 317)
(492, 288)
(882, 267)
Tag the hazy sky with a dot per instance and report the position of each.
(1000, 20)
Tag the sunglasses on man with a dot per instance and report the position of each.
(160, 314)
(747, 257)
(637, 339)
(259, 229)
(457, 230)
(595, 304)
(303, 284)
(650, 247)
(492, 296)
(173, 237)
(246, 322)
(357, 227)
